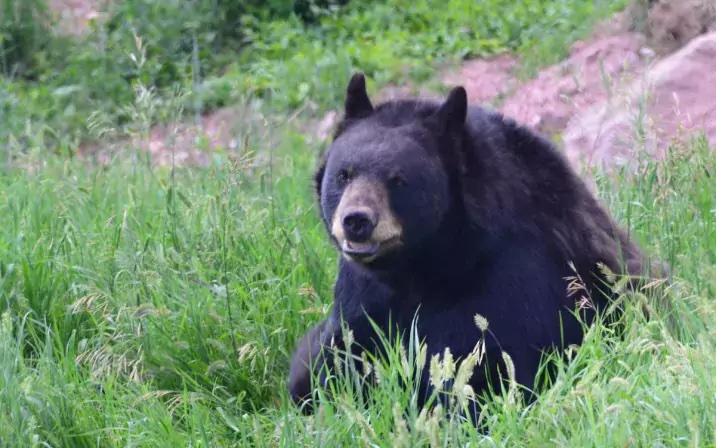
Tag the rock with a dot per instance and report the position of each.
(674, 99)
(486, 80)
(669, 24)
(591, 71)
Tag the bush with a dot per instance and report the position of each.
(173, 29)
(165, 45)
(24, 33)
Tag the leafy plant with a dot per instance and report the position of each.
(24, 33)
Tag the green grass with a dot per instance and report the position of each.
(396, 39)
(158, 308)
(155, 307)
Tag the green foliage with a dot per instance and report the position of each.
(24, 33)
(227, 51)
(393, 38)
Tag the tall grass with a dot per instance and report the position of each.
(159, 307)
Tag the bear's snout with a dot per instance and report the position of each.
(364, 226)
(358, 224)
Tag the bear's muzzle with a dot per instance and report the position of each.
(364, 225)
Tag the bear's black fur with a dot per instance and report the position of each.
(483, 217)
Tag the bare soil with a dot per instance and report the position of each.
(74, 16)
(670, 24)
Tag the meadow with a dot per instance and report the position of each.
(158, 306)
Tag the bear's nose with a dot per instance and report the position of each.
(358, 225)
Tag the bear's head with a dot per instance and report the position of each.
(386, 184)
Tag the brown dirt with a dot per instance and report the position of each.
(592, 70)
(231, 131)
(670, 102)
(487, 81)
(74, 16)
(670, 24)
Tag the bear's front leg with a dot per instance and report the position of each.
(309, 358)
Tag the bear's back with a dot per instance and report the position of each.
(489, 134)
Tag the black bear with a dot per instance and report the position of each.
(459, 211)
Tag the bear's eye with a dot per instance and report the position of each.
(397, 181)
(343, 176)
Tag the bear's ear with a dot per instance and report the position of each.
(357, 104)
(453, 112)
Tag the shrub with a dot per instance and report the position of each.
(24, 33)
